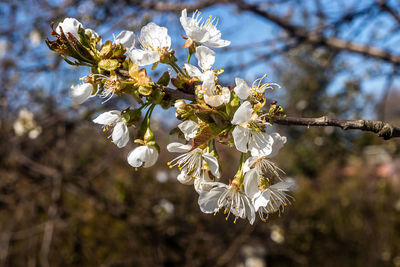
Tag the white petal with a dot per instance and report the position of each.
(178, 147)
(184, 21)
(241, 88)
(208, 201)
(80, 93)
(284, 186)
(208, 79)
(278, 143)
(189, 129)
(109, 117)
(137, 156)
(205, 57)
(243, 113)
(260, 144)
(217, 43)
(91, 32)
(241, 137)
(183, 178)
(249, 209)
(126, 38)
(192, 70)
(151, 157)
(218, 100)
(248, 164)
(261, 199)
(250, 183)
(212, 163)
(70, 25)
(120, 135)
(143, 58)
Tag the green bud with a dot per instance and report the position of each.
(109, 64)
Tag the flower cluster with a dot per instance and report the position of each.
(213, 115)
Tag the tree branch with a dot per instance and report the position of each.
(319, 39)
(383, 129)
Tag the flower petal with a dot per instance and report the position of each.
(189, 129)
(70, 25)
(241, 88)
(243, 113)
(212, 163)
(151, 157)
(192, 70)
(178, 147)
(260, 144)
(80, 93)
(261, 199)
(120, 135)
(126, 38)
(250, 183)
(278, 143)
(184, 178)
(241, 137)
(143, 58)
(137, 156)
(109, 117)
(208, 201)
(205, 57)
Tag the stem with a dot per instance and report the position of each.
(176, 67)
(189, 57)
(239, 177)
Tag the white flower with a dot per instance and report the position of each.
(249, 133)
(189, 129)
(153, 39)
(145, 156)
(258, 184)
(192, 162)
(202, 31)
(230, 198)
(70, 25)
(213, 94)
(120, 134)
(272, 199)
(81, 93)
(258, 87)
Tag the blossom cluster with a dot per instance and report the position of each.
(214, 115)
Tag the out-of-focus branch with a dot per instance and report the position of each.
(385, 7)
(318, 39)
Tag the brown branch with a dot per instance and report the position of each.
(383, 129)
(318, 39)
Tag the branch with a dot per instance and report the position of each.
(383, 129)
(318, 39)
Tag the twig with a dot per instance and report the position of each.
(383, 129)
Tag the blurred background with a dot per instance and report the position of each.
(69, 198)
